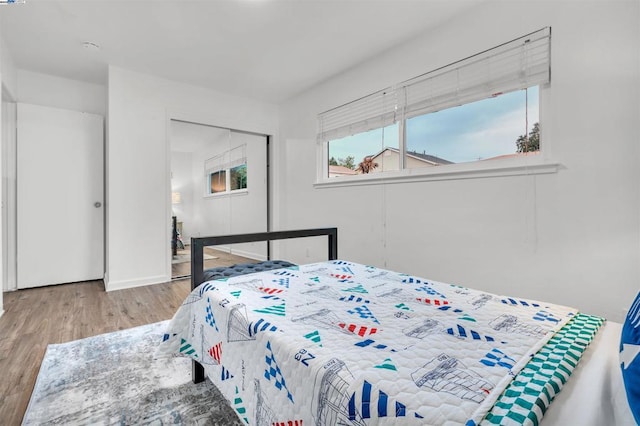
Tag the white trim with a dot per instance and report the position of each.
(227, 190)
(225, 194)
(9, 160)
(248, 254)
(168, 207)
(243, 253)
(479, 169)
(139, 282)
(242, 124)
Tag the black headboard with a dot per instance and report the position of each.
(198, 245)
(197, 258)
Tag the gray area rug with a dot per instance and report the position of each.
(114, 379)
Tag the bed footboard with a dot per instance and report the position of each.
(197, 258)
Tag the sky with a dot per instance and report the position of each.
(478, 130)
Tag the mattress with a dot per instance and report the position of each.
(342, 343)
(595, 395)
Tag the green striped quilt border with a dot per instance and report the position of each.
(528, 396)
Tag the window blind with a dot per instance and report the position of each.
(370, 112)
(518, 64)
(227, 160)
(237, 156)
(214, 164)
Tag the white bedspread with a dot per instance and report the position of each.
(343, 343)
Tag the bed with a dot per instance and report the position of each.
(338, 342)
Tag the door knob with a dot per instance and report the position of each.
(97, 204)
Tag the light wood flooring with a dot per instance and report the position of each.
(36, 317)
(180, 270)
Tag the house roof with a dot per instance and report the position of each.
(432, 159)
(341, 170)
(514, 155)
(427, 157)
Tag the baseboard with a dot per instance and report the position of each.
(1, 312)
(254, 256)
(243, 253)
(140, 282)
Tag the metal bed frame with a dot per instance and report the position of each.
(197, 258)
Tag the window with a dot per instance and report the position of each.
(238, 177)
(218, 182)
(347, 154)
(484, 107)
(226, 172)
(228, 180)
(481, 130)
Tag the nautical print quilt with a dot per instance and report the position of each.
(339, 343)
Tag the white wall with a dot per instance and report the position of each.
(48, 90)
(572, 237)
(138, 183)
(8, 70)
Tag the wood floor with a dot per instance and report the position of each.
(36, 317)
(222, 258)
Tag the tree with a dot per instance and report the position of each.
(348, 162)
(238, 178)
(530, 143)
(345, 162)
(367, 165)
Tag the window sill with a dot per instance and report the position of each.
(227, 194)
(475, 170)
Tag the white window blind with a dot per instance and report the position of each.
(370, 112)
(227, 160)
(237, 156)
(518, 64)
(515, 65)
(214, 164)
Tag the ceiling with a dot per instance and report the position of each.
(268, 50)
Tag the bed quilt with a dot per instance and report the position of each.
(339, 343)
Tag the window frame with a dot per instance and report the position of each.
(246, 180)
(225, 162)
(228, 190)
(209, 183)
(537, 163)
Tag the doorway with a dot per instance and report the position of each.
(219, 185)
(8, 155)
(60, 218)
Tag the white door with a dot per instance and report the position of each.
(60, 196)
